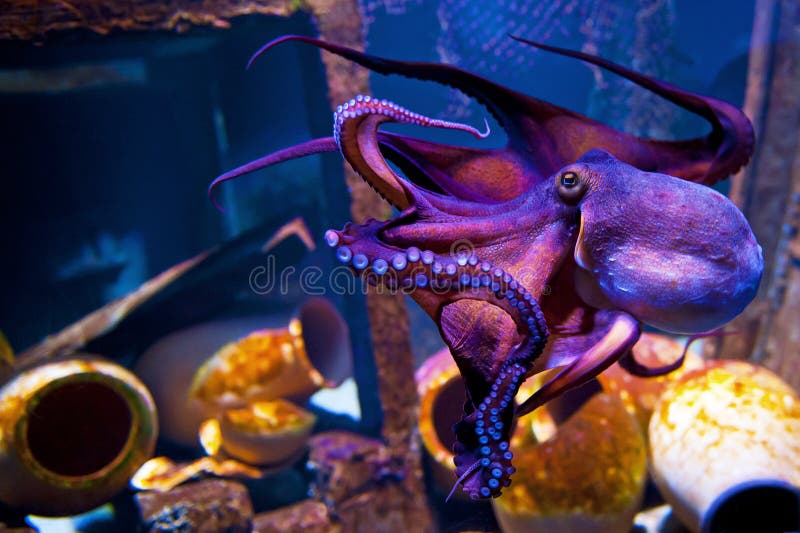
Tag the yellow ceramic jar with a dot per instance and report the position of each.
(72, 433)
(588, 476)
(725, 447)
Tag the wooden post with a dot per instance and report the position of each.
(768, 192)
(388, 316)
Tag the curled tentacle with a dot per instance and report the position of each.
(355, 129)
(634, 367)
(365, 105)
(499, 100)
(483, 436)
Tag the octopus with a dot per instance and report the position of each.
(577, 235)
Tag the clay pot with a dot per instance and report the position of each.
(725, 449)
(589, 475)
(265, 432)
(640, 394)
(72, 432)
(442, 395)
(197, 373)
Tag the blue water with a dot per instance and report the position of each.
(105, 175)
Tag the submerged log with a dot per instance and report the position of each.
(768, 192)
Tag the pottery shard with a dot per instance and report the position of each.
(308, 516)
(204, 506)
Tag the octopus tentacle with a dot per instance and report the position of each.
(366, 105)
(483, 436)
(532, 123)
(634, 367)
(315, 146)
(497, 99)
(483, 458)
(620, 336)
(355, 130)
(450, 278)
(731, 140)
(462, 478)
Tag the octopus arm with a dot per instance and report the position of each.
(618, 333)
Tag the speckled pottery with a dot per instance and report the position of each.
(72, 432)
(725, 449)
(588, 476)
(199, 372)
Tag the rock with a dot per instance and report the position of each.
(346, 464)
(308, 515)
(205, 506)
(363, 486)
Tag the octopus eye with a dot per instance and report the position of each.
(570, 186)
(569, 180)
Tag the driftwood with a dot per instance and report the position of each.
(25, 20)
(768, 192)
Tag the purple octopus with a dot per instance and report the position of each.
(578, 234)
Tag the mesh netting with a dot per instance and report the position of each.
(636, 33)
